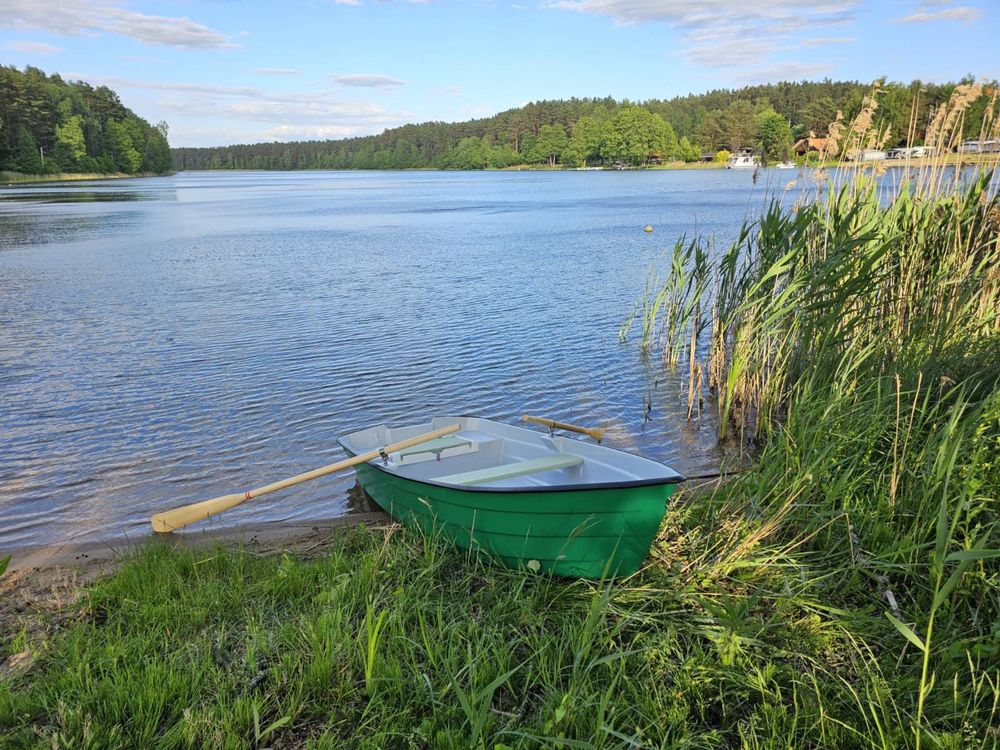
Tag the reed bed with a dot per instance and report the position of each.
(854, 348)
(10, 178)
(887, 274)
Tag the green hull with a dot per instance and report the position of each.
(587, 533)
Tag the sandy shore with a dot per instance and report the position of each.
(45, 579)
(262, 537)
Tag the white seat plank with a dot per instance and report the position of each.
(509, 471)
(435, 446)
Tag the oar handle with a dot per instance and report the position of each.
(595, 432)
(178, 518)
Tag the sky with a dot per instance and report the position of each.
(243, 71)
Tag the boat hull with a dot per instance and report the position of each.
(577, 532)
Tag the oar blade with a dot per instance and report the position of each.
(178, 518)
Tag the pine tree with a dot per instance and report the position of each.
(27, 159)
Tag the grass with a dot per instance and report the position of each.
(397, 641)
(844, 593)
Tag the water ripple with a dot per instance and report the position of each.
(167, 340)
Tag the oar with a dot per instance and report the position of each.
(595, 432)
(178, 518)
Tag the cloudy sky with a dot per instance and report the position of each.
(222, 71)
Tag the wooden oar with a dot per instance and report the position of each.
(595, 432)
(178, 518)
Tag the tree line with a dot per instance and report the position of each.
(48, 126)
(580, 132)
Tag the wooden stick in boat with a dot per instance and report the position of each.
(178, 518)
(595, 432)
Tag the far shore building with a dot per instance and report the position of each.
(811, 144)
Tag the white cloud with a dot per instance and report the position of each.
(720, 33)
(276, 71)
(144, 59)
(34, 48)
(200, 88)
(827, 40)
(202, 136)
(77, 18)
(784, 71)
(720, 47)
(962, 13)
(358, 2)
(366, 80)
(359, 115)
(784, 14)
(318, 132)
(285, 115)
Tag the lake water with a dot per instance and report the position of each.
(166, 340)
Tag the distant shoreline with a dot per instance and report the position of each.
(951, 159)
(15, 178)
(517, 168)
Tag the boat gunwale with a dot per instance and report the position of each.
(528, 488)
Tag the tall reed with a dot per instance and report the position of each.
(854, 342)
(893, 271)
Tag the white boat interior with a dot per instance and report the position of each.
(491, 455)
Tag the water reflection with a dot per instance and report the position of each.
(20, 230)
(82, 196)
(62, 213)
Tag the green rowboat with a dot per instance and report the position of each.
(526, 498)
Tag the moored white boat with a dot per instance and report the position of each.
(743, 159)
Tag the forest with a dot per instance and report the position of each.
(580, 132)
(52, 126)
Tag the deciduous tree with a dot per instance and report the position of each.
(70, 140)
(774, 134)
(549, 145)
(632, 135)
(119, 144)
(586, 141)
